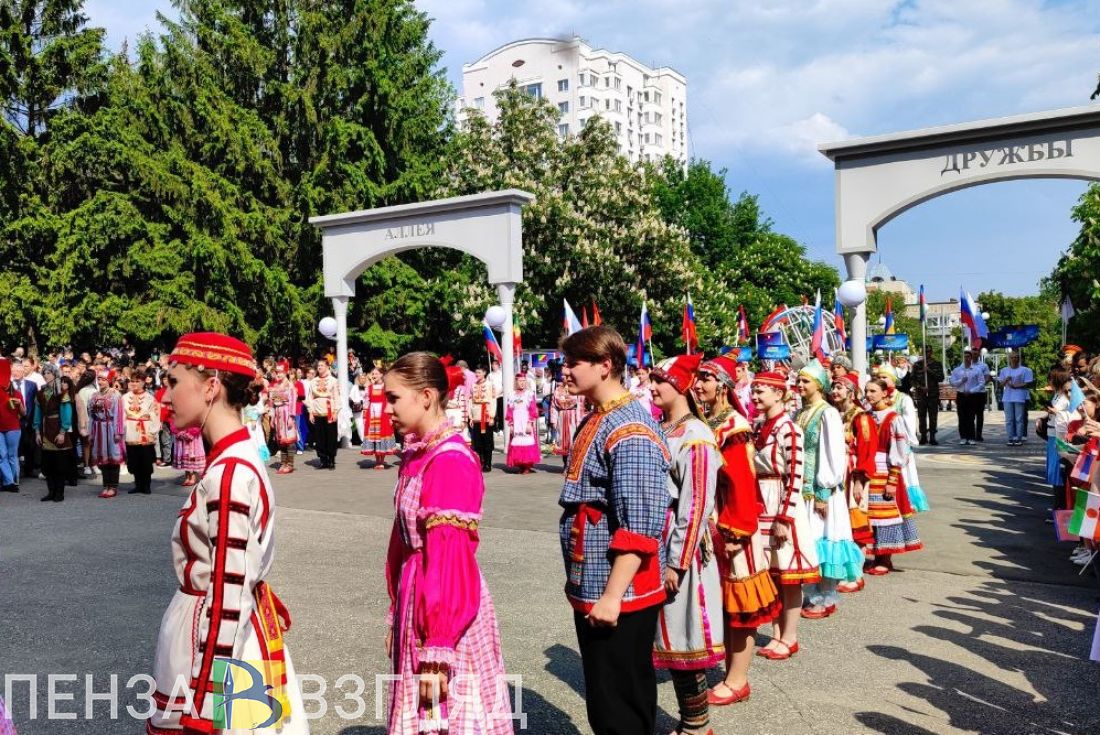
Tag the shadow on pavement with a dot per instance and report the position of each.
(1022, 621)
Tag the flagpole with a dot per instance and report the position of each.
(924, 351)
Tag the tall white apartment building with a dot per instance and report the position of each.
(646, 107)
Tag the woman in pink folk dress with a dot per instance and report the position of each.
(443, 640)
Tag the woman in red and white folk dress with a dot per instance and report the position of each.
(222, 547)
(861, 435)
(785, 521)
(568, 412)
(284, 417)
(377, 427)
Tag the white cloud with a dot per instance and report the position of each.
(779, 77)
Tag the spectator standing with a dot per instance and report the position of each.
(970, 379)
(924, 381)
(29, 451)
(1016, 381)
(12, 410)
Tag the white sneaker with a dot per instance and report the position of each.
(89, 472)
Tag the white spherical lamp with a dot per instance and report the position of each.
(985, 315)
(852, 293)
(327, 327)
(494, 316)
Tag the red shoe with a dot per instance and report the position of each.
(877, 571)
(817, 614)
(849, 587)
(108, 493)
(736, 695)
(792, 649)
(381, 467)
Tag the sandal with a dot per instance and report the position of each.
(108, 493)
(878, 570)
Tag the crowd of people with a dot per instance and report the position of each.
(700, 501)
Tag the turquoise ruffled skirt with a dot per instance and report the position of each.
(918, 499)
(840, 560)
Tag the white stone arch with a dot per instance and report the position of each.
(487, 226)
(880, 177)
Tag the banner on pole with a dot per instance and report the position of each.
(1016, 336)
(891, 342)
(770, 346)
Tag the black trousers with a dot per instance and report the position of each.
(110, 475)
(324, 435)
(619, 681)
(139, 460)
(928, 416)
(482, 443)
(498, 420)
(55, 466)
(979, 413)
(30, 452)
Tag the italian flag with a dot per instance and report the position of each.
(1085, 521)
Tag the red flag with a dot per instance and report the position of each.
(596, 319)
(687, 328)
(584, 317)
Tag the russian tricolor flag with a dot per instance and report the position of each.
(491, 343)
(838, 319)
(972, 318)
(645, 334)
(687, 328)
(570, 322)
(817, 342)
(743, 333)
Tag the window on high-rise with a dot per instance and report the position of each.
(563, 129)
(479, 103)
(563, 85)
(563, 108)
(535, 90)
(618, 105)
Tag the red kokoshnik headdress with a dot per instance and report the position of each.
(771, 379)
(678, 371)
(455, 375)
(214, 351)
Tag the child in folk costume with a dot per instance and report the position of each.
(223, 548)
(615, 500)
(907, 412)
(522, 416)
(894, 534)
(108, 432)
(690, 628)
(749, 594)
(792, 553)
(826, 465)
(188, 454)
(443, 638)
(483, 405)
(253, 415)
(301, 391)
(142, 414)
(458, 410)
(284, 418)
(640, 389)
(569, 411)
(377, 428)
(861, 435)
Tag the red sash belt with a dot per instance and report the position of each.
(586, 515)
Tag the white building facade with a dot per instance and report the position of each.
(646, 107)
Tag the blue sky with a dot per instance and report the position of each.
(770, 79)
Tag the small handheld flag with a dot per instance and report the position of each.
(687, 328)
(889, 317)
(1085, 521)
(491, 343)
(584, 317)
(597, 320)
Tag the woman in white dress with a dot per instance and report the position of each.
(223, 547)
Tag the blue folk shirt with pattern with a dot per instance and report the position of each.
(618, 463)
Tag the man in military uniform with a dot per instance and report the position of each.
(925, 378)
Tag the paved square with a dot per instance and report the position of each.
(986, 631)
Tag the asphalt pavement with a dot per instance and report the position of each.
(985, 631)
